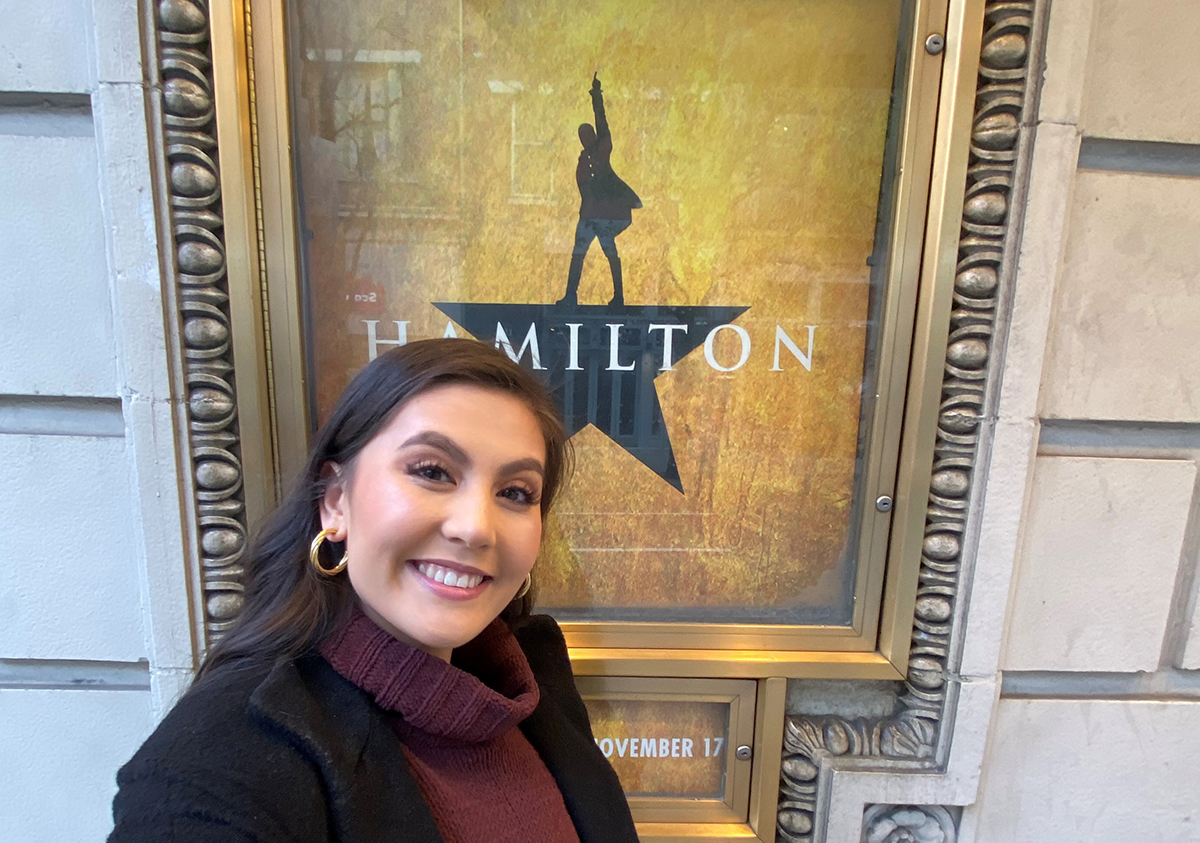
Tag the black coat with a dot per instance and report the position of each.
(300, 754)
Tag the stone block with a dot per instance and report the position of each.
(71, 589)
(44, 46)
(1009, 474)
(62, 749)
(1082, 771)
(159, 545)
(58, 336)
(1123, 334)
(1051, 180)
(1064, 81)
(1142, 72)
(128, 205)
(1191, 646)
(1097, 568)
(116, 33)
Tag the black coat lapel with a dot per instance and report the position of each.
(373, 796)
(559, 731)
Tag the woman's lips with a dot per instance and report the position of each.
(452, 583)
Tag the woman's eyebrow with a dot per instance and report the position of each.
(527, 464)
(441, 442)
(451, 449)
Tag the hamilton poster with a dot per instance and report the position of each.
(665, 208)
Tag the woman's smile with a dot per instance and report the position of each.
(450, 580)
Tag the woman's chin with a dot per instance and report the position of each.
(442, 636)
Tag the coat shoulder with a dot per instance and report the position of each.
(207, 723)
(213, 763)
(545, 648)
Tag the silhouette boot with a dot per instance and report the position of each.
(618, 284)
(573, 276)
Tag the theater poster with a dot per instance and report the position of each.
(668, 210)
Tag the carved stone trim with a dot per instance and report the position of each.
(909, 737)
(201, 294)
(908, 824)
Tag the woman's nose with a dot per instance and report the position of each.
(470, 518)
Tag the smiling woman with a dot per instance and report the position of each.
(439, 513)
(398, 687)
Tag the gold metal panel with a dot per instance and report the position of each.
(688, 832)
(752, 664)
(687, 717)
(907, 237)
(964, 30)
(287, 355)
(768, 756)
(764, 783)
(731, 636)
(235, 150)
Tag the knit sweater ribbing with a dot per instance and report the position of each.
(457, 724)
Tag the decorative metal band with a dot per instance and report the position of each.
(908, 824)
(911, 733)
(202, 294)
(260, 232)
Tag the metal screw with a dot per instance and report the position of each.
(934, 44)
(883, 503)
(743, 753)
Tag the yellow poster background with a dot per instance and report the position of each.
(437, 147)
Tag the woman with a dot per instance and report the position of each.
(385, 681)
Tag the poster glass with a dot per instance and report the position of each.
(670, 210)
(664, 748)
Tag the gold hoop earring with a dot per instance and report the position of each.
(525, 586)
(314, 555)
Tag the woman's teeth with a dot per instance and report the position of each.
(448, 577)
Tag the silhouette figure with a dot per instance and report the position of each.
(606, 202)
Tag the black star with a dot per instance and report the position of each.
(600, 362)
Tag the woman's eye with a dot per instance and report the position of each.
(429, 471)
(517, 494)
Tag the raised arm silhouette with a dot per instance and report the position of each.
(606, 201)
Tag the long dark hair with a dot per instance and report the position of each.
(290, 608)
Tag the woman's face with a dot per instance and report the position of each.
(440, 514)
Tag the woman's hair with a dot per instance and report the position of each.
(289, 607)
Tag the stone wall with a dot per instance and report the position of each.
(1096, 733)
(1072, 709)
(95, 631)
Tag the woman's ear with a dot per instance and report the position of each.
(334, 499)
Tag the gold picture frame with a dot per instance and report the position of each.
(251, 94)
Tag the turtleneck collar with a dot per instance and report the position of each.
(486, 689)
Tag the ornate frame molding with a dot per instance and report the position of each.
(185, 146)
(909, 738)
(908, 824)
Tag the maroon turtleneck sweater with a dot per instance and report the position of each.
(457, 724)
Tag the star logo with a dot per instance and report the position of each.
(601, 361)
